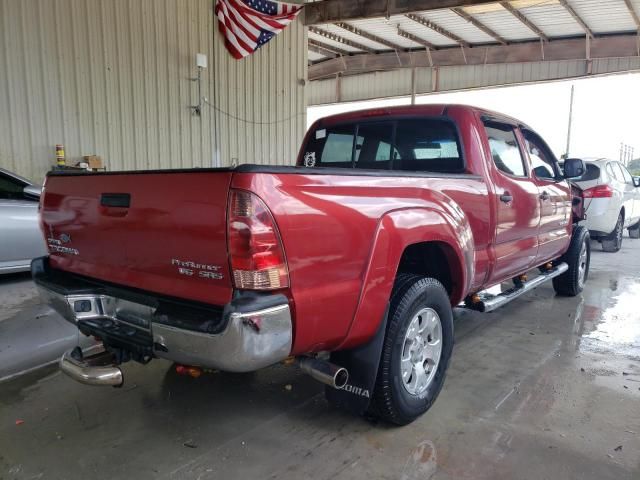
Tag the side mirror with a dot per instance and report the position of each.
(33, 191)
(574, 168)
(636, 181)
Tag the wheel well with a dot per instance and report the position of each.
(430, 259)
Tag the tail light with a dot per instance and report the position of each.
(599, 191)
(255, 249)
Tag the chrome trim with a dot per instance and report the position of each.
(102, 306)
(84, 372)
(250, 341)
(494, 302)
(242, 347)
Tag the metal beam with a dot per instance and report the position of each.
(323, 49)
(416, 39)
(339, 39)
(528, 23)
(479, 25)
(633, 12)
(577, 17)
(566, 49)
(368, 36)
(332, 11)
(437, 28)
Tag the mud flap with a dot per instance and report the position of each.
(362, 364)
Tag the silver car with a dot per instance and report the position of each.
(20, 237)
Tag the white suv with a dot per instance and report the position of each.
(612, 202)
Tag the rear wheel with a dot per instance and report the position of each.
(578, 257)
(416, 351)
(613, 243)
(634, 230)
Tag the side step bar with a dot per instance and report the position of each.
(97, 369)
(485, 302)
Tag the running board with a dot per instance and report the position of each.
(486, 302)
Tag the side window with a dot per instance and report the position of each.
(505, 150)
(625, 173)
(542, 160)
(612, 172)
(10, 188)
(592, 173)
(615, 171)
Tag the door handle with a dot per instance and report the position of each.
(545, 196)
(506, 197)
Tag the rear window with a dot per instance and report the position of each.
(592, 173)
(420, 145)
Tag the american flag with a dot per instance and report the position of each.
(249, 24)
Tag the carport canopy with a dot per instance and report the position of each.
(348, 37)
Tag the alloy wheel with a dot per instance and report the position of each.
(421, 351)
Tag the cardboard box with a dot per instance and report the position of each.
(94, 161)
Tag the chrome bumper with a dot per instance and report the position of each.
(252, 339)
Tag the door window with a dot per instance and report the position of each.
(505, 149)
(616, 172)
(543, 162)
(625, 173)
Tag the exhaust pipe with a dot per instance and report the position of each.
(94, 370)
(324, 372)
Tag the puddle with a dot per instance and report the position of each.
(617, 328)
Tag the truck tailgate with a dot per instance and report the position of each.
(162, 232)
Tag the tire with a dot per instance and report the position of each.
(634, 231)
(578, 257)
(392, 399)
(613, 243)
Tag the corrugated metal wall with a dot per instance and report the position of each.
(112, 78)
(398, 82)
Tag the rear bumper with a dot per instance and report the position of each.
(256, 331)
(601, 217)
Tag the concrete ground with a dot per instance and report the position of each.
(546, 388)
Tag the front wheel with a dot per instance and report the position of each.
(578, 257)
(416, 351)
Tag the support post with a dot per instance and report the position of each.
(570, 121)
(413, 86)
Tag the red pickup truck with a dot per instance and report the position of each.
(348, 264)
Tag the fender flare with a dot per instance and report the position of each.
(445, 224)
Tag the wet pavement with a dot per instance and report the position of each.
(547, 387)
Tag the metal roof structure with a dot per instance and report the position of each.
(358, 37)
